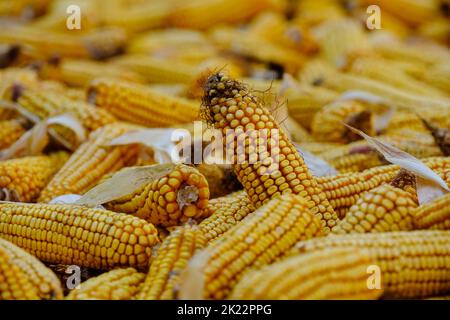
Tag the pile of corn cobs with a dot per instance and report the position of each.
(93, 205)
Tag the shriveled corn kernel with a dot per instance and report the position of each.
(224, 97)
(48, 230)
(161, 282)
(42, 279)
(259, 239)
(23, 179)
(118, 284)
(323, 274)
(226, 212)
(90, 162)
(413, 264)
(171, 200)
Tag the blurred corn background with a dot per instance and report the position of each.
(90, 91)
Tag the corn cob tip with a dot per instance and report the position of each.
(8, 54)
(16, 91)
(361, 121)
(441, 136)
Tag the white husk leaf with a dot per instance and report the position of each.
(317, 166)
(429, 184)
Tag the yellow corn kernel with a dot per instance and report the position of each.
(10, 132)
(42, 278)
(70, 234)
(259, 239)
(118, 284)
(161, 282)
(412, 264)
(14, 284)
(23, 179)
(434, 215)
(323, 274)
(343, 190)
(90, 162)
(138, 104)
(171, 200)
(327, 124)
(226, 212)
(280, 169)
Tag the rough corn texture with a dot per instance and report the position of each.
(44, 281)
(90, 162)
(118, 284)
(23, 179)
(161, 282)
(434, 214)
(343, 190)
(258, 240)
(327, 124)
(383, 209)
(14, 283)
(413, 264)
(10, 132)
(352, 157)
(322, 274)
(221, 179)
(171, 200)
(138, 104)
(226, 212)
(69, 234)
(229, 105)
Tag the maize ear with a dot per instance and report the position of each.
(69, 234)
(23, 179)
(413, 264)
(229, 105)
(434, 215)
(118, 284)
(323, 274)
(161, 282)
(10, 132)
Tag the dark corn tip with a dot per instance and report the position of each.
(403, 179)
(16, 92)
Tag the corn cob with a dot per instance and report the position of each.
(229, 105)
(201, 14)
(327, 123)
(343, 190)
(352, 162)
(98, 44)
(90, 162)
(14, 284)
(42, 278)
(23, 179)
(386, 208)
(118, 284)
(138, 104)
(80, 73)
(10, 132)
(303, 103)
(156, 70)
(140, 16)
(413, 12)
(69, 234)
(401, 120)
(403, 99)
(161, 282)
(318, 148)
(257, 48)
(396, 77)
(323, 274)
(221, 179)
(256, 241)
(11, 78)
(337, 38)
(434, 215)
(46, 104)
(413, 264)
(313, 12)
(171, 200)
(226, 212)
